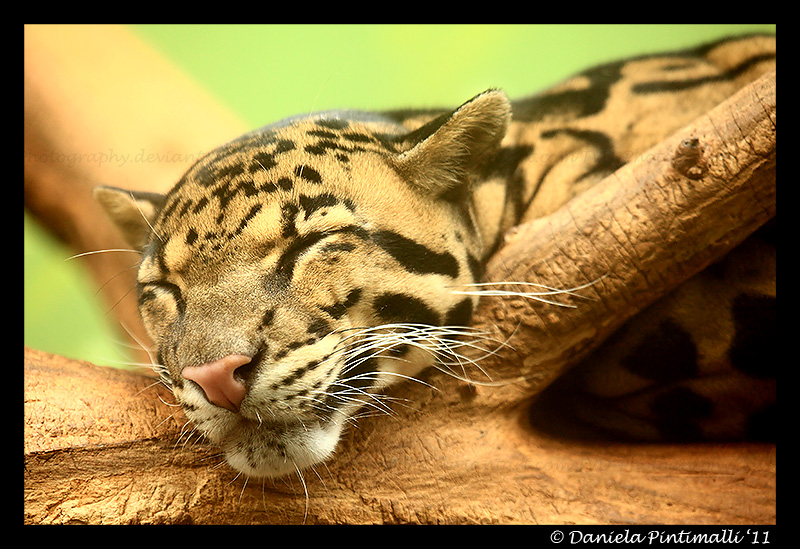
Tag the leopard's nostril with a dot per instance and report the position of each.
(244, 373)
(218, 380)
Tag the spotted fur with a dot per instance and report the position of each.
(324, 249)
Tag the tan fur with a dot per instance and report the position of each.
(327, 248)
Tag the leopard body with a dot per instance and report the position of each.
(295, 271)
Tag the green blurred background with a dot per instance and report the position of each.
(265, 72)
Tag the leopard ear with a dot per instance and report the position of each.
(133, 212)
(445, 154)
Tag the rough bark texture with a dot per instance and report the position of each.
(104, 446)
(645, 229)
(101, 447)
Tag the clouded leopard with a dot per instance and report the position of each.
(296, 270)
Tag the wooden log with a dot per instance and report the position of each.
(102, 447)
(638, 234)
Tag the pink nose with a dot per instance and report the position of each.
(217, 381)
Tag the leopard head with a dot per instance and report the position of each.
(292, 273)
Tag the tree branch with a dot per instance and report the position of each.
(637, 235)
(116, 455)
(104, 446)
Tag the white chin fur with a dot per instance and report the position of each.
(284, 453)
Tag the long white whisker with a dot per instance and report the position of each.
(157, 368)
(355, 395)
(107, 282)
(148, 386)
(162, 422)
(552, 289)
(241, 494)
(146, 220)
(305, 490)
(537, 296)
(528, 295)
(101, 252)
(439, 342)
